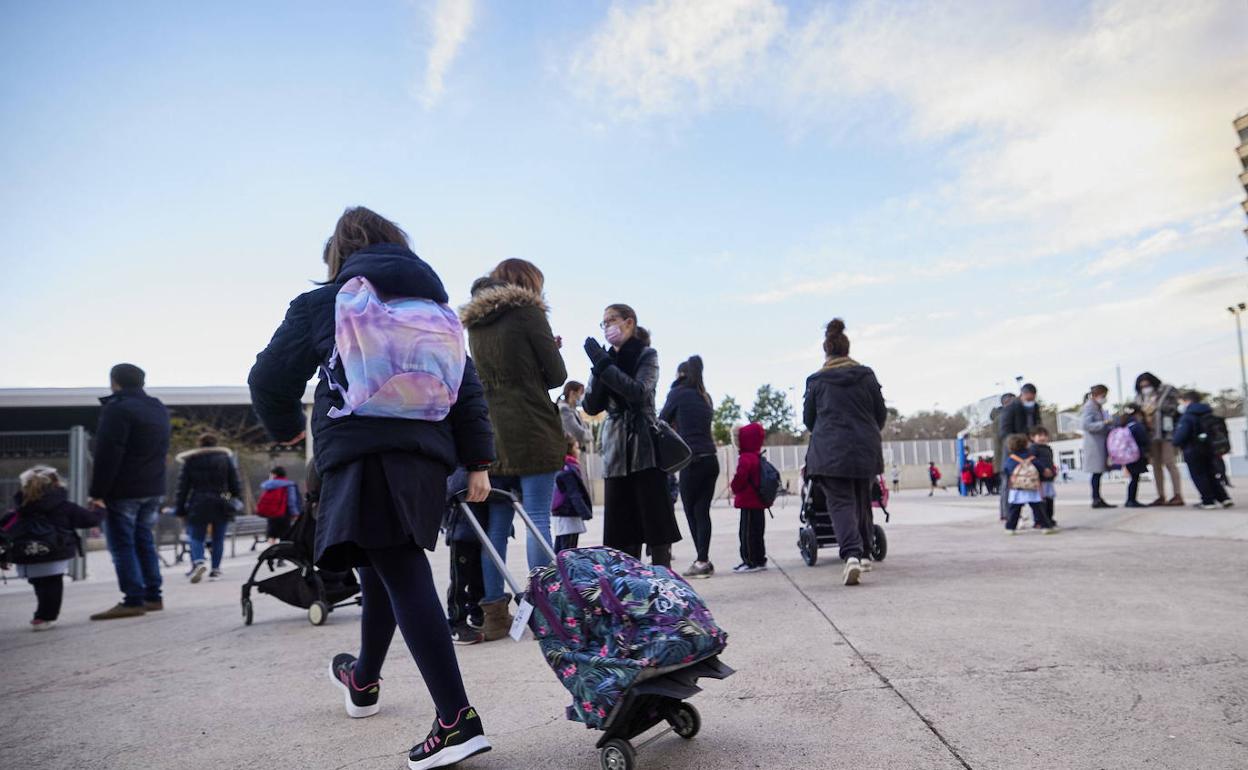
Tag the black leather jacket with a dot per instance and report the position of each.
(628, 400)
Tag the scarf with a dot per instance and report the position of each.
(839, 362)
(629, 355)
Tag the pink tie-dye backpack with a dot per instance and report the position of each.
(402, 356)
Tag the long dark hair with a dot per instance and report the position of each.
(1146, 377)
(358, 228)
(689, 375)
(628, 314)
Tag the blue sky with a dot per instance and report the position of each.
(980, 192)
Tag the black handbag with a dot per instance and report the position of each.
(671, 453)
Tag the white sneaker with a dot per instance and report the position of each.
(866, 564)
(853, 568)
(1228, 503)
(42, 625)
(1207, 507)
(198, 571)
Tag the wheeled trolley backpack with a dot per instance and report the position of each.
(627, 639)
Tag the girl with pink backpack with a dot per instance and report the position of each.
(1128, 447)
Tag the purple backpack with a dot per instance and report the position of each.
(603, 617)
(402, 357)
(1122, 447)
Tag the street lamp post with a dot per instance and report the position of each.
(1236, 311)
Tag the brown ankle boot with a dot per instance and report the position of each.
(497, 618)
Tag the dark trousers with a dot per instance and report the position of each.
(697, 490)
(1050, 510)
(1038, 512)
(1003, 486)
(467, 588)
(753, 527)
(1096, 487)
(1204, 475)
(48, 593)
(1135, 469)
(849, 505)
(564, 542)
(397, 590)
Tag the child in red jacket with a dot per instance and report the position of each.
(745, 486)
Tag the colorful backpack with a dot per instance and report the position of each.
(1024, 476)
(1122, 447)
(602, 617)
(402, 357)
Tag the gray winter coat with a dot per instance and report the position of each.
(628, 399)
(1096, 425)
(575, 427)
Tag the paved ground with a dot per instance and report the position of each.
(1098, 648)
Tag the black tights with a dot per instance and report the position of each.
(1096, 487)
(397, 589)
(48, 593)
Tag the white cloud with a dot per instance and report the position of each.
(666, 56)
(839, 282)
(450, 20)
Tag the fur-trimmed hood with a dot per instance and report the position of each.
(182, 457)
(489, 304)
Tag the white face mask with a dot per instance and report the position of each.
(1100, 400)
(1147, 391)
(1182, 408)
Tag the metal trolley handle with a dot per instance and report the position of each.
(503, 496)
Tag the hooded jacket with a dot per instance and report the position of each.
(206, 476)
(518, 362)
(691, 414)
(131, 445)
(748, 478)
(623, 386)
(844, 412)
(293, 508)
(1187, 433)
(63, 515)
(304, 342)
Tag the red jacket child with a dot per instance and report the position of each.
(748, 477)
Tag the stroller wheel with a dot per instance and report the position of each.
(685, 721)
(318, 613)
(880, 548)
(618, 754)
(247, 612)
(808, 545)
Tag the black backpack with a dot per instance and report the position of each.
(768, 482)
(35, 540)
(1213, 433)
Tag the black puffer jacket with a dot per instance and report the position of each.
(131, 444)
(690, 413)
(207, 476)
(304, 341)
(623, 386)
(844, 412)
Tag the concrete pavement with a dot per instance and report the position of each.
(1097, 648)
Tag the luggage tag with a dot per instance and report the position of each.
(523, 613)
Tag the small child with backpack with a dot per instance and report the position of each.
(467, 585)
(748, 490)
(1127, 446)
(1203, 437)
(278, 503)
(40, 538)
(1024, 485)
(933, 473)
(1043, 453)
(570, 507)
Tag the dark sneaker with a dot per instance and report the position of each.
(216, 574)
(449, 744)
(466, 634)
(155, 606)
(360, 701)
(119, 611)
(699, 570)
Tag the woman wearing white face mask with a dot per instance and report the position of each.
(1096, 424)
(1159, 404)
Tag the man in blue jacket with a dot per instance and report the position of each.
(131, 446)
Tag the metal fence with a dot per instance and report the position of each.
(65, 450)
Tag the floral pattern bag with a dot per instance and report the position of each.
(603, 617)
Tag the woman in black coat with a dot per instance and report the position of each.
(208, 484)
(383, 481)
(689, 410)
(637, 508)
(844, 412)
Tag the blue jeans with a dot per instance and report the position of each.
(128, 532)
(536, 492)
(199, 532)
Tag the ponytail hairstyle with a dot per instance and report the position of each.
(358, 228)
(37, 482)
(570, 387)
(689, 374)
(628, 314)
(835, 343)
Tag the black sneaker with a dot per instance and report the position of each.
(449, 744)
(360, 701)
(466, 634)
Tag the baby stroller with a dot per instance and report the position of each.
(817, 532)
(318, 591)
(628, 640)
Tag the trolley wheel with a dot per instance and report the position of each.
(880, 549)
(685, 721)
(808, 544)
(248, 614)
(618, 754)
(318, 613)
